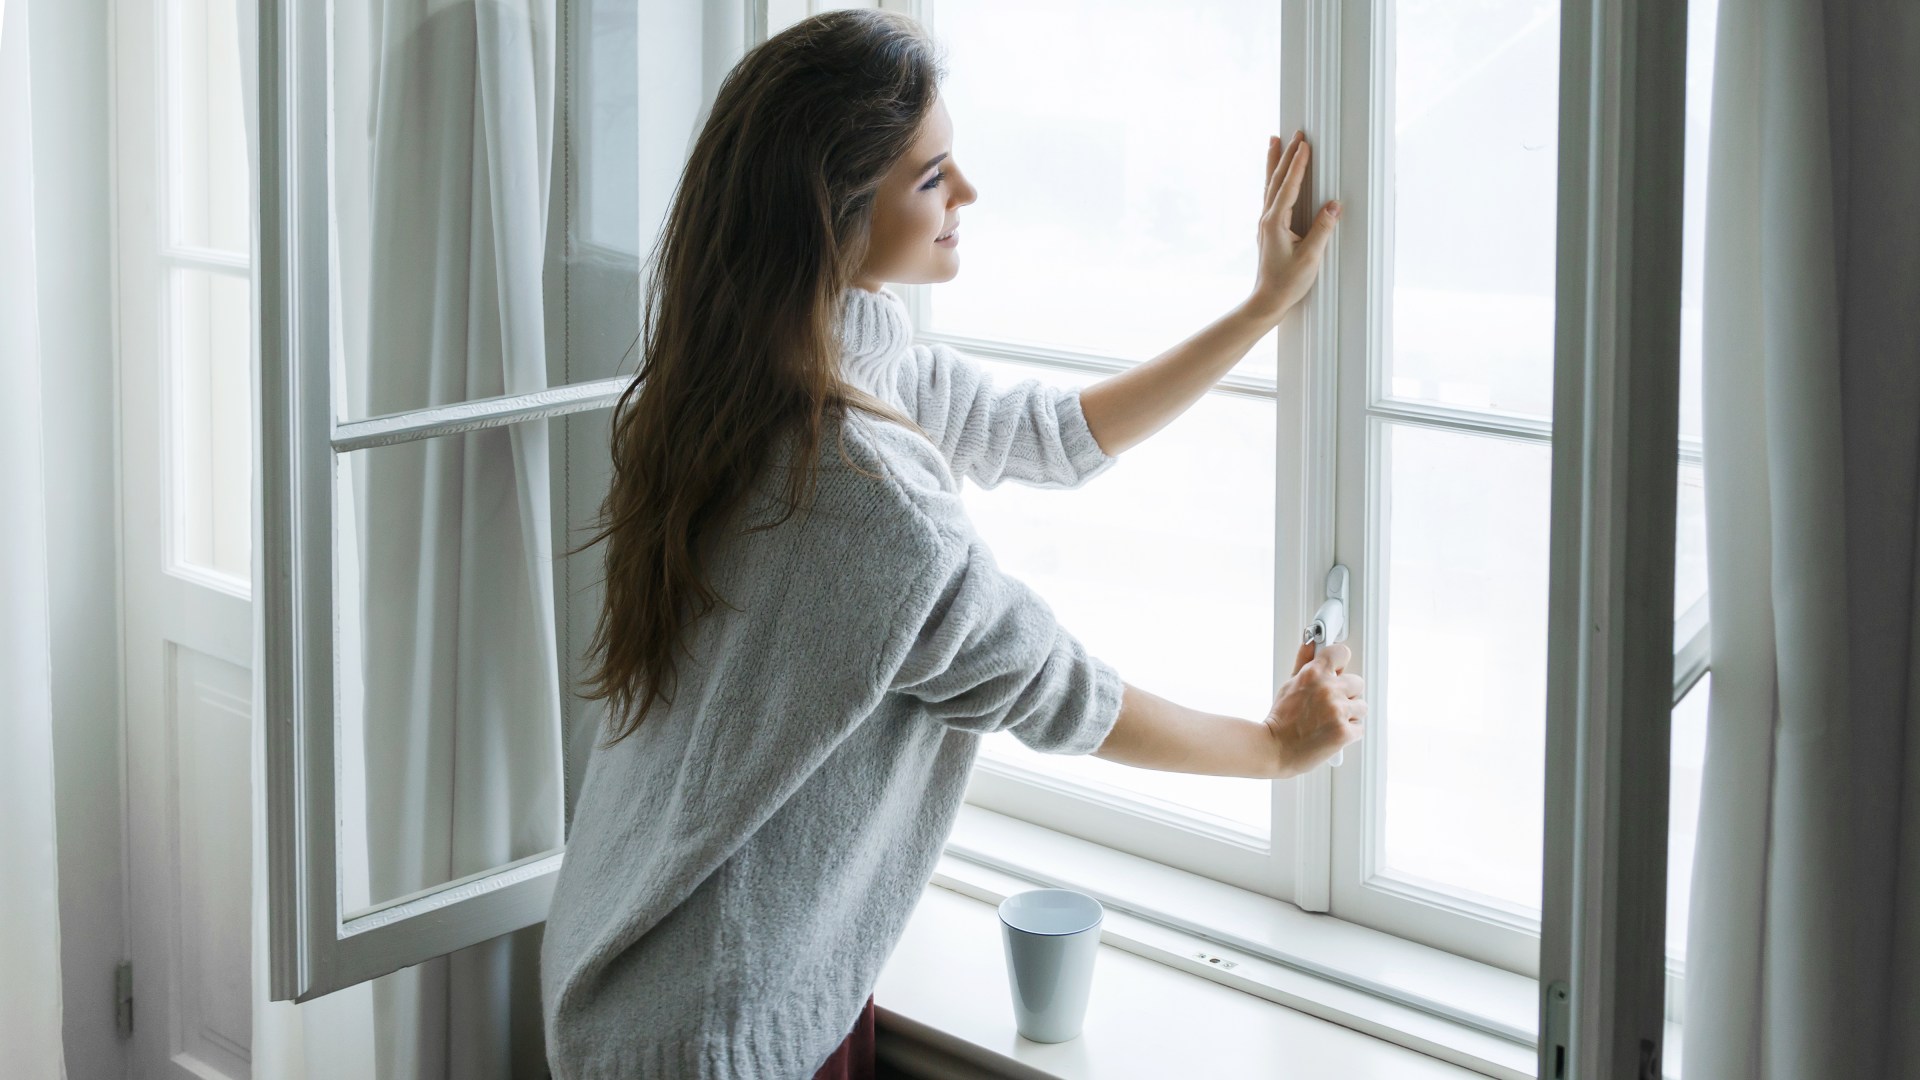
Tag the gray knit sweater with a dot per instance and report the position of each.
(740, 868)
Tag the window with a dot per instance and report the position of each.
(205, 296)
(445, 317)
(1399, 423)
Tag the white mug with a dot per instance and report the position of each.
(1052, 937)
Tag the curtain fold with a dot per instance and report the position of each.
(30, 995)
(456, 605)
(1805, 911)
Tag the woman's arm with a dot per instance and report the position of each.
(1029, 432)
(1126, 407)
(1317, 712)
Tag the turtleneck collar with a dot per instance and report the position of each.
(874, 332)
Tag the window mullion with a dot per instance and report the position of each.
(482, 413)
(1308, 432)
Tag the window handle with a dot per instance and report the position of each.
(1329, 625)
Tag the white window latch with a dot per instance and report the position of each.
(1330, 624)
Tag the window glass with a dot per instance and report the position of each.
(212, 414)
(439, 200)
(1690, 571)
(206, 316)
(208, 182)
(1459, 680)
(1119, 148)
(607, 97)
(1163, 567)
(1472, 167)
(448, 712)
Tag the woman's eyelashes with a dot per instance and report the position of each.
(935, 182)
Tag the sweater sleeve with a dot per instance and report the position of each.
(1029, 432)
(984, 653)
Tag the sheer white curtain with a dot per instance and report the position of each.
(458, 656)
(1803, 957)
(30, 1013)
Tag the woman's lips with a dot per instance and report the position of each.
(951, 239)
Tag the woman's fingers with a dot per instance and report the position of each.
(1277, 171)
(1321, 231)
(1336, 656)
(1296, 174)
(1303, 656)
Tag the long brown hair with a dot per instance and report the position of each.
(767, 230)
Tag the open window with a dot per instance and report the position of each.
(444, 331)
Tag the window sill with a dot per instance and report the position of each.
(1349, 1001)
(944, 1011)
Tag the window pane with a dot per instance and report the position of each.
(1163, 567)
(1689, 748)
(1702, 16)
(1119, 149)
(209, 182)
(1690, 559)
(607, 124)
(1474, 147)
(449, 721)
(211, 424)
(1459, 678)
(442, 138)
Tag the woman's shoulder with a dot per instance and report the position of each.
(920, 490)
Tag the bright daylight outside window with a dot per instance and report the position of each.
(1120, 179)
(1118, 151)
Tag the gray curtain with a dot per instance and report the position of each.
(1802, 956)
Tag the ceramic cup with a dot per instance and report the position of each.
(1052, 936)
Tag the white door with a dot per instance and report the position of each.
(185, 447)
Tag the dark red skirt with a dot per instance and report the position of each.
(853, 1059)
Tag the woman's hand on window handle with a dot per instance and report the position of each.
(1289, 264)
(1318, 711)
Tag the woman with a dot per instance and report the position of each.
(801, 646)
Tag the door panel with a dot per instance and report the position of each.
(210, 710)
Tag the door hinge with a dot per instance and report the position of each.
(123, 998)
(1553, 1044)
